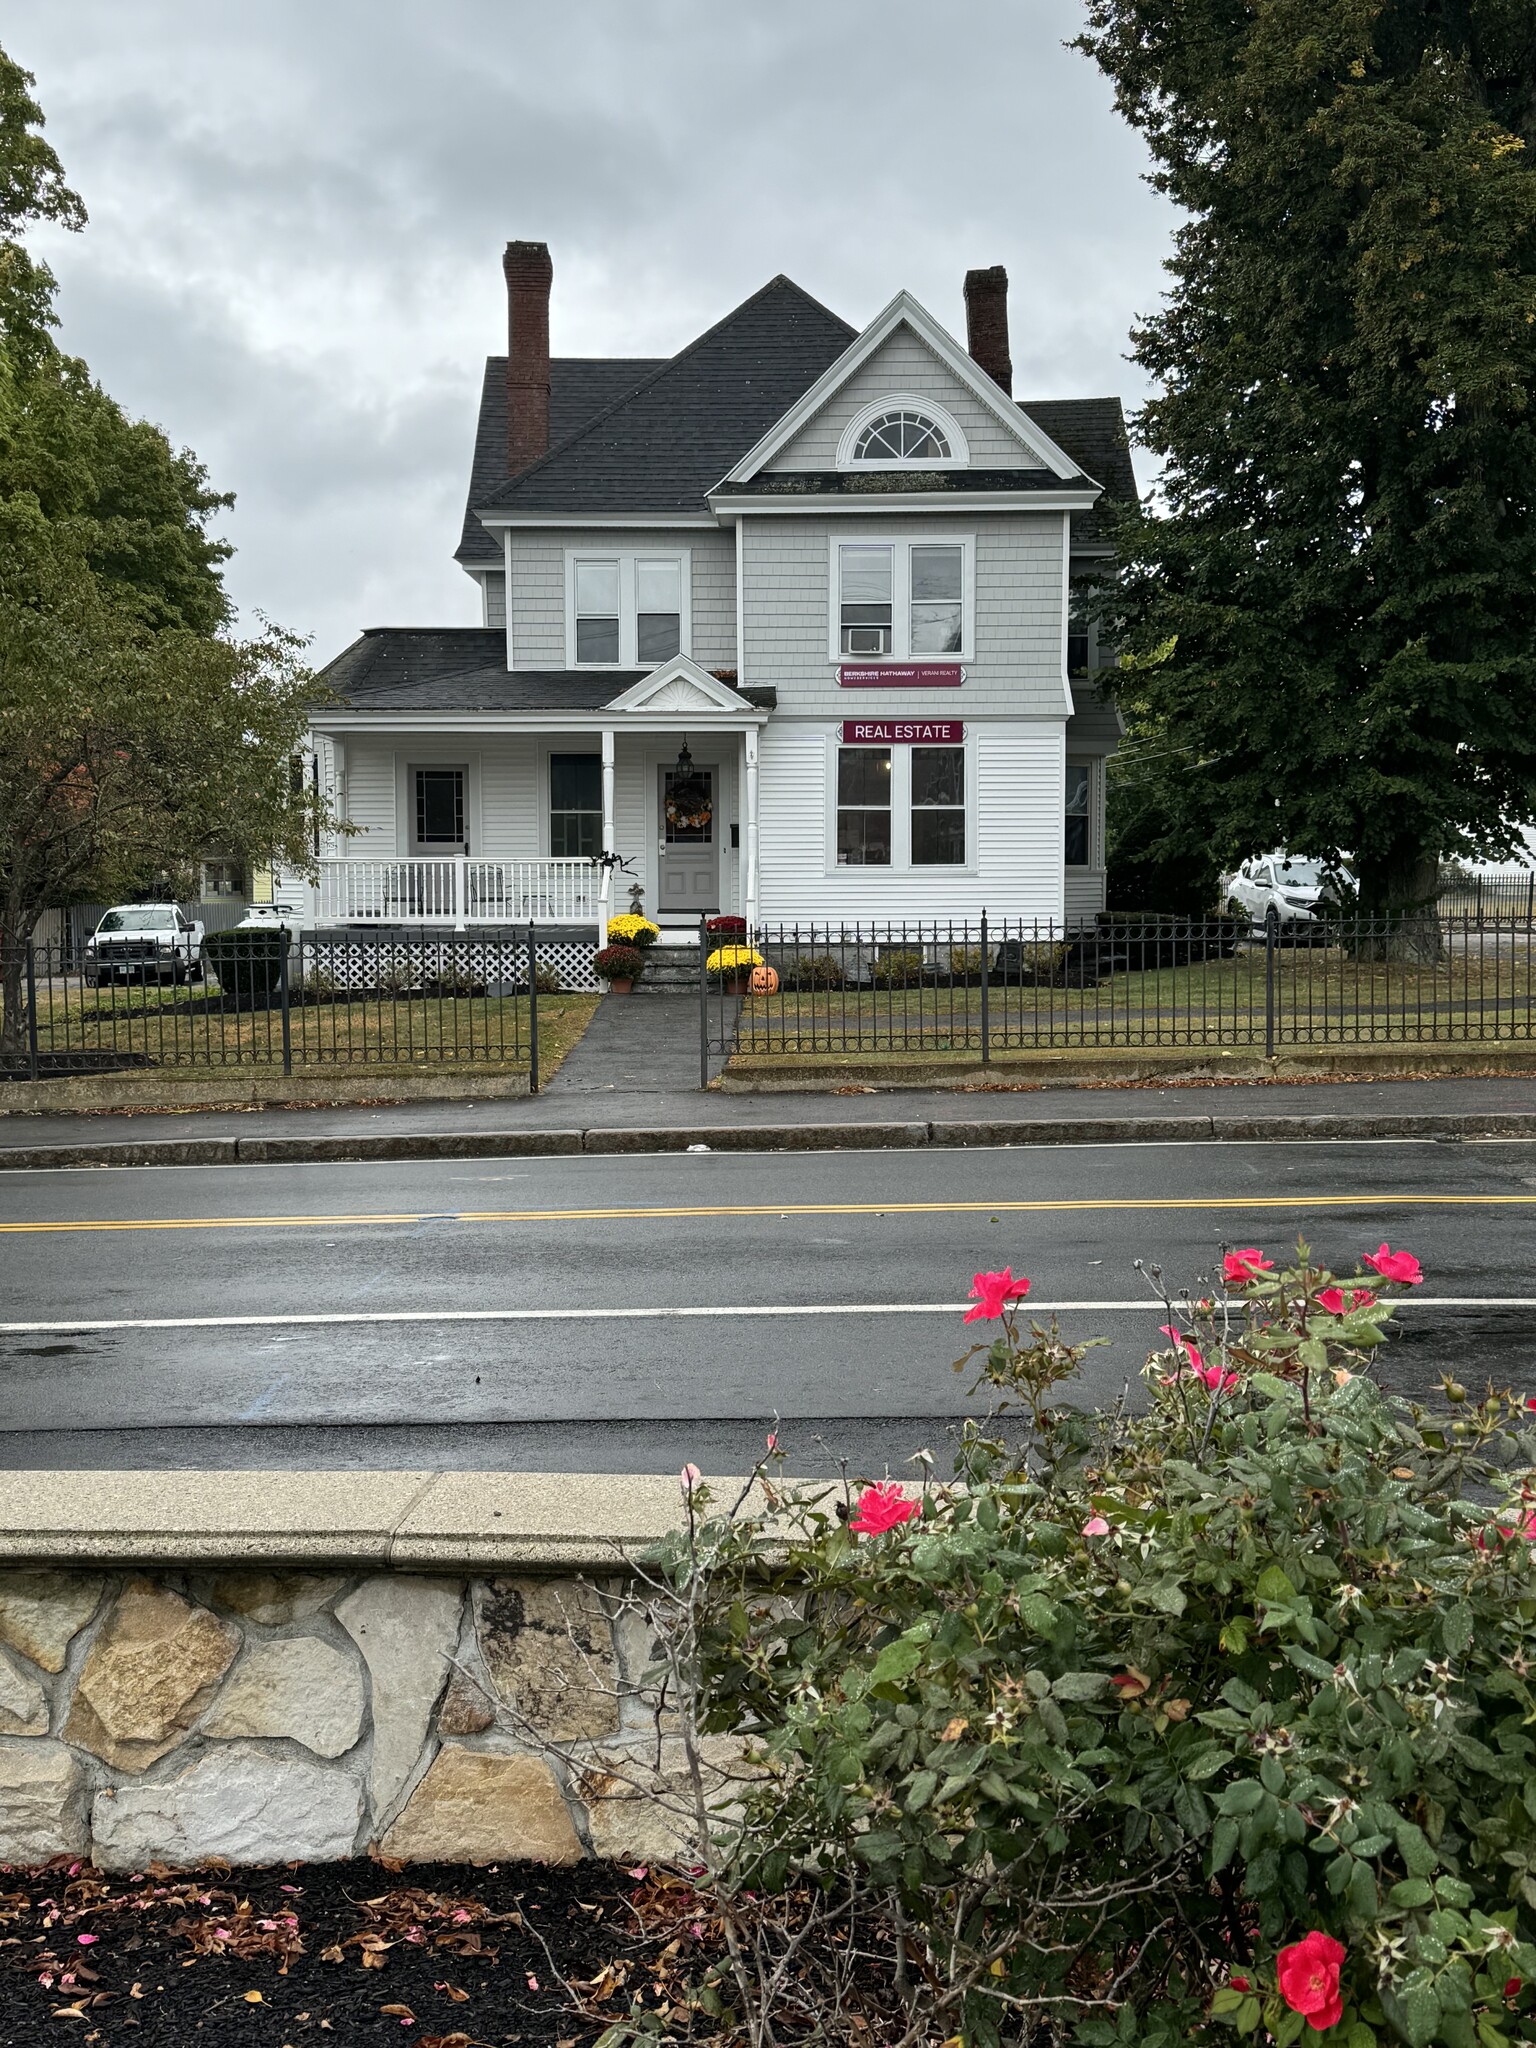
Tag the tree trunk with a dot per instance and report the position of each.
(13, 972)
(1398, 895)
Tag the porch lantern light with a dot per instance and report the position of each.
(688, 794)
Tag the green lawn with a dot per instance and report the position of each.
(186, 1027)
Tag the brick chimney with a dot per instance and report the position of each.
(986, 323)
(529, 273)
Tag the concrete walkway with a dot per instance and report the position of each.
(627, 1105)
(635, 1045)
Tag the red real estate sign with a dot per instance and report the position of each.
(903, 732)
(888, 675)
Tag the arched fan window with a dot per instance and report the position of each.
(901, 436)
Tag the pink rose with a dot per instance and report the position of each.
(1332, 1299)
(881, 1507)
(1249, 1264)
(992, 1292)
(1095, 1526)
(1393, 1265)
(689, 1478)
(1309, 1979)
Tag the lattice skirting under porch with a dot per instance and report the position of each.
(400, 961)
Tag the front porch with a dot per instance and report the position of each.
(509, 818)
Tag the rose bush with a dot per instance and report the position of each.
(1150, 1726)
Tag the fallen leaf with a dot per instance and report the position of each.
(453, 1992)
(68, 2012)
(251, 1997)
(1402, 1472)
(400, 2012)
(136, 1989)
(332, 1954)
(953, 1730)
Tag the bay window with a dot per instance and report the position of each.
(900, 600)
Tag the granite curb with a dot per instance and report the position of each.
(807, 1137)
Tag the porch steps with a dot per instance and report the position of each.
(670, 971)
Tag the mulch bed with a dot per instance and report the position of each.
(437, 1955)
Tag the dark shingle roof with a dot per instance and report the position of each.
(1092, 432)
(660, 447)
(464, 668)
(580, 387)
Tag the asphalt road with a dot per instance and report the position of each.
(626, 1314)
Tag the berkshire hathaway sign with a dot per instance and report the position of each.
(903, 732)
(887, 675)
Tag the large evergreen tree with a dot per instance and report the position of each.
(1333, 612)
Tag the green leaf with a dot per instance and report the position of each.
(921, 1790)
(1274, 1587)
(1223, 1844)
(1272, 1774)
(882, 1846)
(1412, 1891)
(1246, 1796)
(1227, 2000)
(1080, 1685)
(1165, 1595)
(896, 1661)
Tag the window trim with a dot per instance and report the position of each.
(901, 814)
(902, 545)
(959, 456)
(626, 558)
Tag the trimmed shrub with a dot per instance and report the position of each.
(899, 967)
(247, 964)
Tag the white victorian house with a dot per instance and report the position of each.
(783, 622)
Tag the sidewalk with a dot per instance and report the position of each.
(611, 1116)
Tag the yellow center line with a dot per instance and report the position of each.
(782, 1210)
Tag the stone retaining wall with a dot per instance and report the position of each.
(269, 1715)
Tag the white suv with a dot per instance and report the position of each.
(1283, 890)
(144, 942)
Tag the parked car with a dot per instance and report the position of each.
(144, 942)
(1284, 890)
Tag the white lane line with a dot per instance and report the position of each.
(616, 1315)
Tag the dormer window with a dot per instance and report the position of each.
(902, 436)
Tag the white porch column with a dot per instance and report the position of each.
(605, 892)
(749, 906)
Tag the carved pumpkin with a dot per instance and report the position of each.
(764, 980)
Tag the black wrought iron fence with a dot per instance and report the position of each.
(272, 999)
(998, 985)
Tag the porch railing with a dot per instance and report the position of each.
(458, 891)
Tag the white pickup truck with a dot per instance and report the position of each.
(138, 942)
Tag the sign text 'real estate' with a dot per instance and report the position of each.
(902, 732)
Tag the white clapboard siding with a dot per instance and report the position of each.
(1017, 871)
(907, 366)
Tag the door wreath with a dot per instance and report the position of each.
(689, 810)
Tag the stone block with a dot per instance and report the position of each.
(481, 1806)
(42, 1802)
(236, 1801)
(41, 1612)
(150, 1674)
(548, 1647)
(23, 1703)
(297, 1686)
(640, 1804)
(407, 1629)
(275, 1598)
(467, 1709)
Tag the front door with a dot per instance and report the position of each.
(437, 811)
(689, 851)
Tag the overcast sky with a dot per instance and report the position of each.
(298, 210)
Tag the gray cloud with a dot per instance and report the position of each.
(297, 214)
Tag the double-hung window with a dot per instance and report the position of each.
(864, 807)
(938, 807)
(1079, 818)
(626, 610)
(899, 599)
(575, 806)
